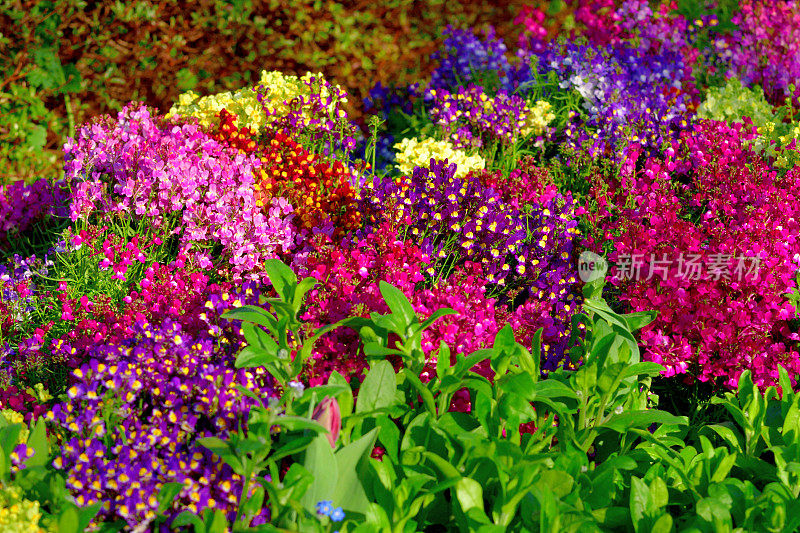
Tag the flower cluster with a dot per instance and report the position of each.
(117, 254)
(135, 412)
(470, 117)
(227, 131)
(734, 101)
(29, 403)
(461, 218)
(465, 58)
(633, 24)
(734, 205)
(350, 274)
(628, 95)
(321, 192)
(412, 153)
(19, 294)
(326, 508)
(524, 186)
(764, 49)
(22, 205)
(388, 100)
(176, 176)
(350, 277)
(17, 514)
(253, 107)
(472, 329)
(317, 117)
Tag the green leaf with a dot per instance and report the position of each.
(300, 292)
(76, 519)
(374, 349)
(465, 364)
(557, 482)
(38, 441)
(662, 525)
(659, 495)
(520, 384)
(531, 361)
(9, 437)
(259, 339)
(732, 438)
(638, 320)
(439, 313)
(282, 278)
(254, 314)
(389, 435)
(443, 360)
(251, 357)
(516, 407)
(295, 423)
(69, 520)
(249, 394)
(167, 495)
(448, 470)
(350, 493)
(422, 390)
(469, 493)
(642, 419)
(291, 447)
(187, 518)
(638, 369)
(73, 79)
(378, 389)
(345, 398)
(321, 463)
(639, 496)
(224, 451)
(551, 388)
(398, 304)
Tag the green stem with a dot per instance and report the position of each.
(243, 495)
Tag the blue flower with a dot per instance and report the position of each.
(337, 515)
(325, 507)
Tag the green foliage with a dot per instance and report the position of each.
(274, 335)
(37, 481)
(581, 450)
(32, 73)
(65, 61)
(734, 101)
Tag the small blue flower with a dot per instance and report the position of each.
(337, 515)
(325, 507)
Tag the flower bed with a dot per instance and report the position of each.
(555, 287)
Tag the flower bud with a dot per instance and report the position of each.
(328, 414)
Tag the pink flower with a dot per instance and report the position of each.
(328, 414)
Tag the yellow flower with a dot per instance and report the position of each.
(18, 515)
(279, 89)
(413, 152)
(537, 118)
